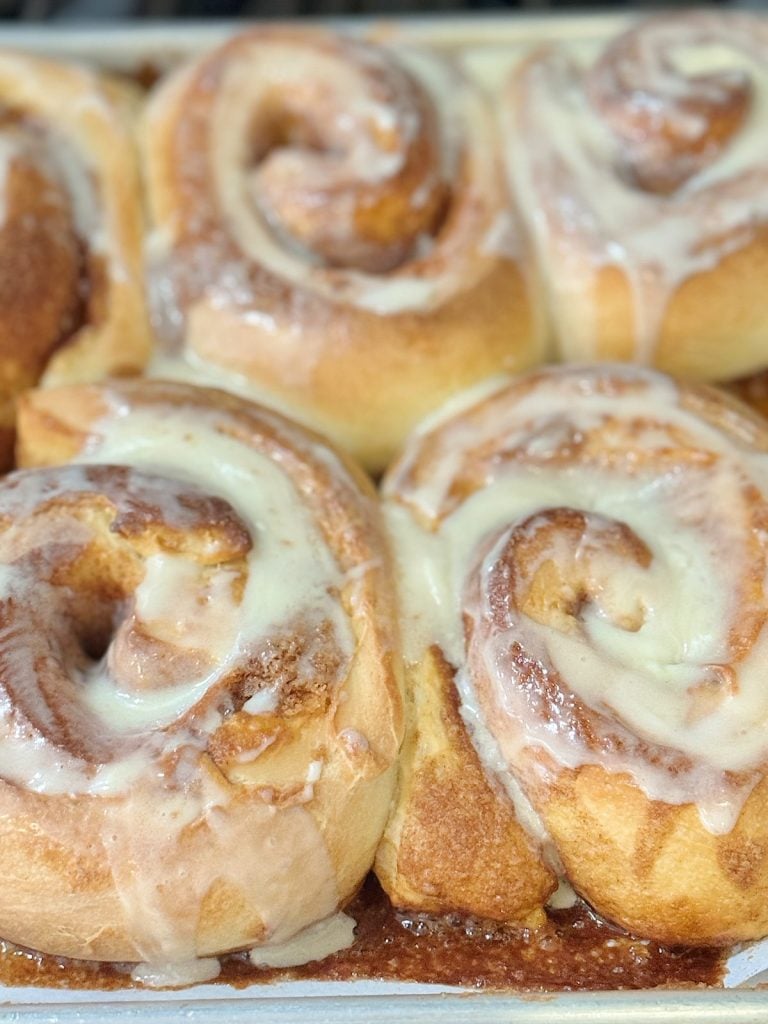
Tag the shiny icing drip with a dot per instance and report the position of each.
(596, 549)
(127, 734)
(650, 159)
(314, 943)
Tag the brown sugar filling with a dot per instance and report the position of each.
(51, 283)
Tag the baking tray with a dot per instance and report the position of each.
(131, 48)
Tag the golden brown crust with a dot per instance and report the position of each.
(71, 293)
(307, 329)
(714, 325)
(654, 868)
(453, 842)
(279, 810)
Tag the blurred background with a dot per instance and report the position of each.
(40, 10)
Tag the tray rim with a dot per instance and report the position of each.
(665, 1006)
(122, 44)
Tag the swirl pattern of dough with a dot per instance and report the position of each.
(332, 231)
(585, 551)
(643, 174)
(71, 295)
(200, 709)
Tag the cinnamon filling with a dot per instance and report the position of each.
(671, 125)
(51, 283)
(352, 198)
(310, 179)
(75, 543)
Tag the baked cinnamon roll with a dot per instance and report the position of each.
(200, 705)
(643, 176)
(71, 291)
(582, 566)
(332, 231)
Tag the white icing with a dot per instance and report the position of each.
(692, 516)
(57, 157)
(583, 213)
(75, 172)
(173, 827)
(394, 294)
(563, 897)
(435, 269)
(275, 858)
(314, 943)
(343, 88)
(289, 576)
(176, 975)
(264, 702)
(290, 570)
(495, 764)
(502, 237)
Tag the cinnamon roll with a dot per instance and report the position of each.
(200, 706)
(332, 232)
(643, 175)
(582, 564)
(71, 294)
